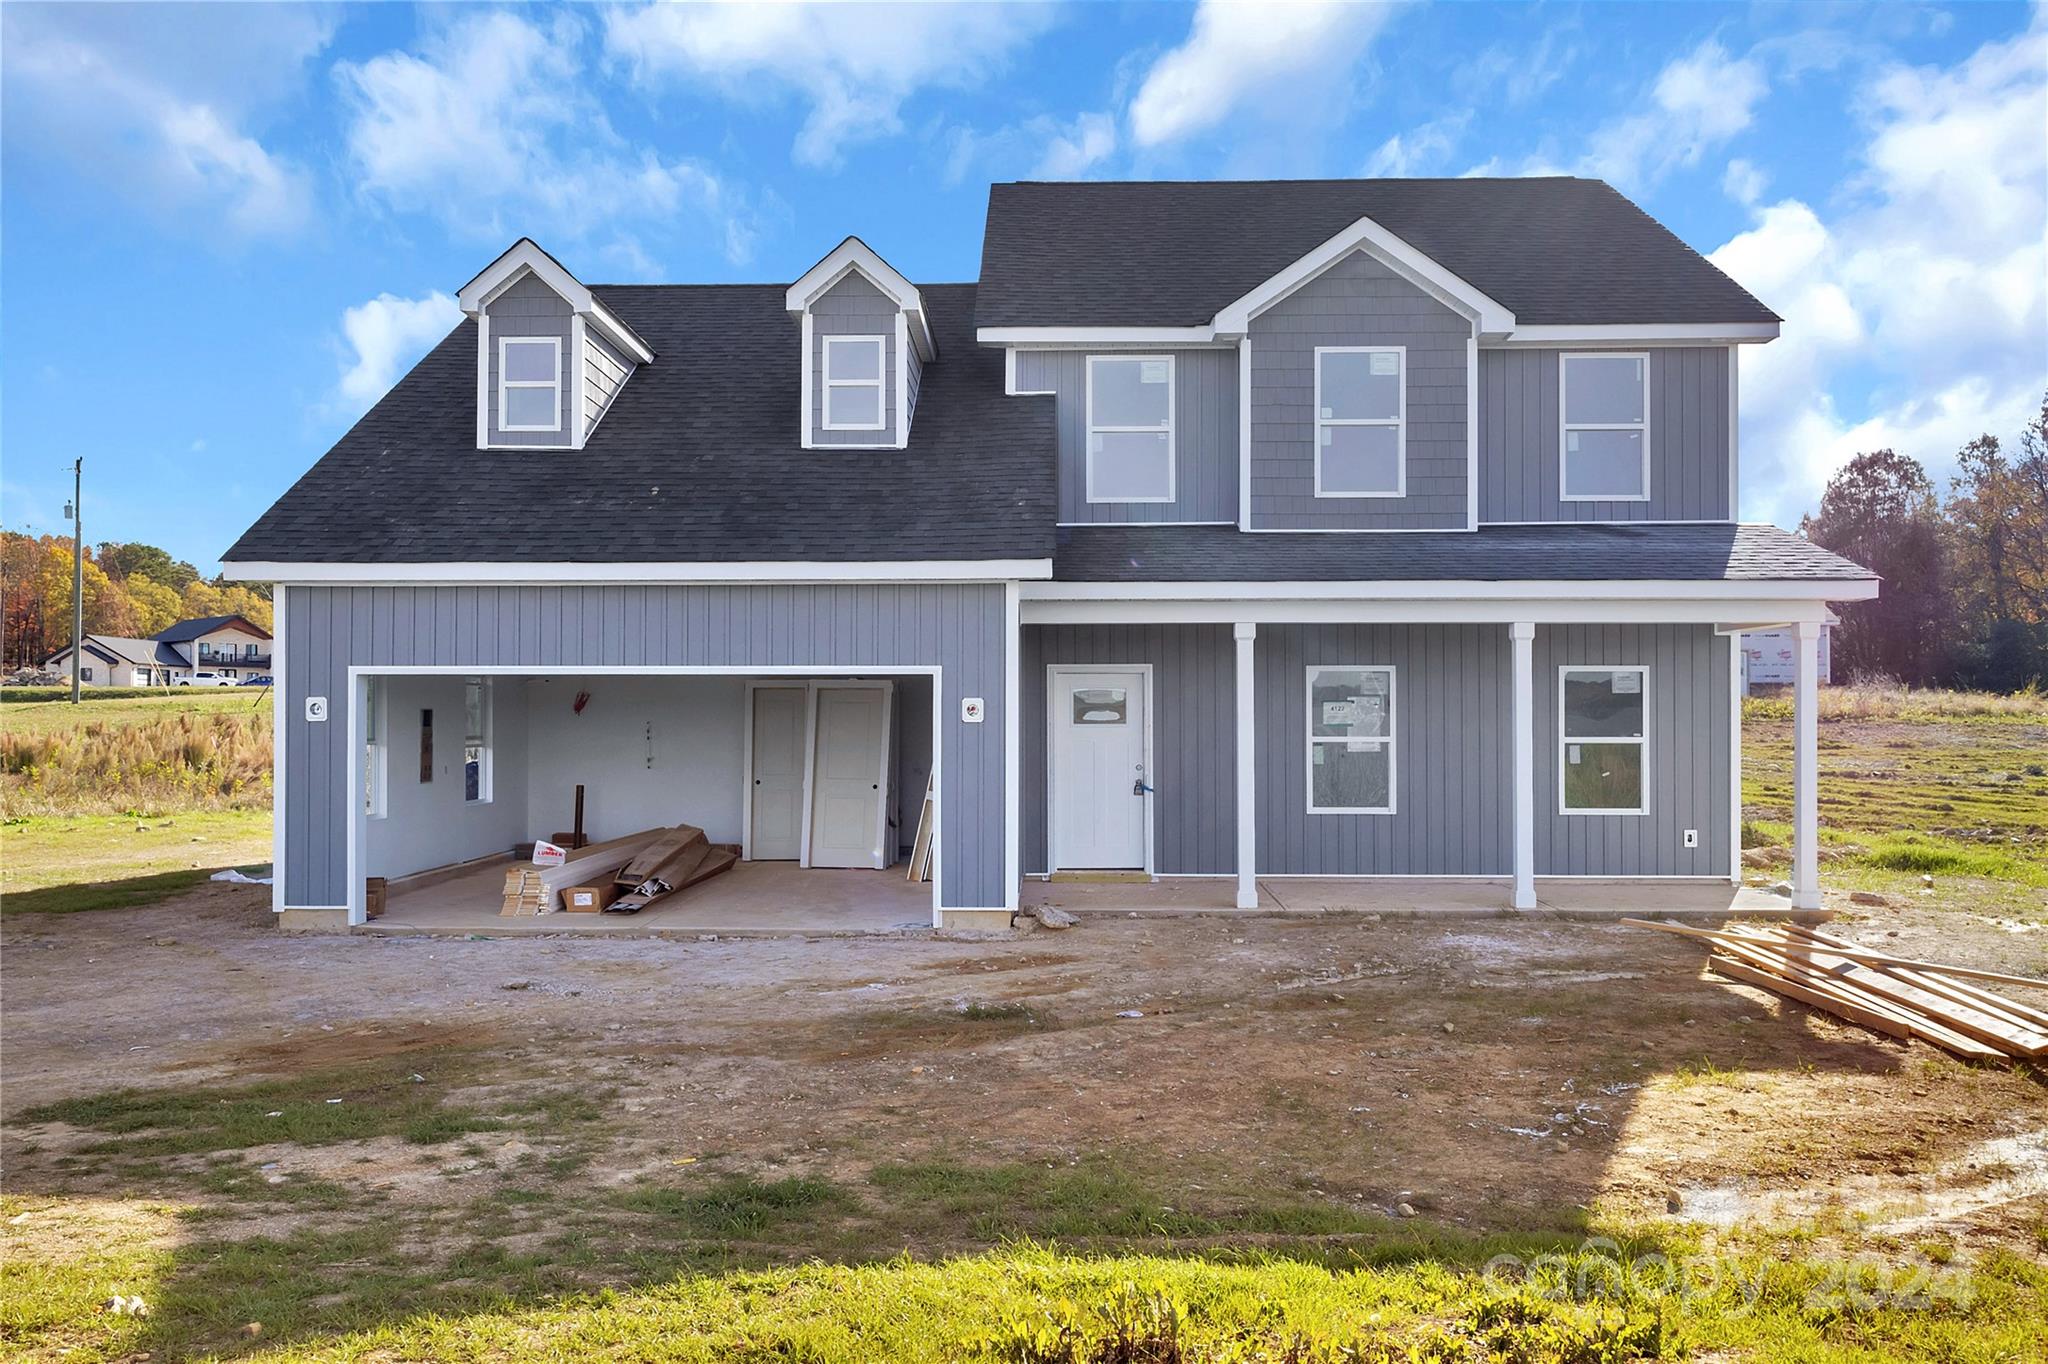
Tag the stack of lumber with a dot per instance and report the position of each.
(538, 890)
(678, 859)
(1898, 996)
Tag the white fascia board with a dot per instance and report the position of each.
(1452, 590)
(1384, 611)
(1368, 236)
(1074, 337)
(618, 333)
(1640, 334)
(522, 257)
(855, 254)
(760, 571)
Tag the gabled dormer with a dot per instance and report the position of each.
(866, 342)
(550, 357)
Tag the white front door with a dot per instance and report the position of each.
(846, 780)
(777, 830)
(1098, 770)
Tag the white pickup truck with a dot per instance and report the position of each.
(205, 679)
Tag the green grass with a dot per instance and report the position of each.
(60, 864)
(401, 1098)
(39, 710)
(360, 1292)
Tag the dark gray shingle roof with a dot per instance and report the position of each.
(697, 460)
(1573, 553)
(1554, 250)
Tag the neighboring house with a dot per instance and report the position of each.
(1771, 657)
(230, 645)
(1331, 528)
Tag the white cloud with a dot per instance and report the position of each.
(1419, 151)
(491, 127)
(387, 334)
(1041, 148)
(855, 65)
(1917, 317)
(1744, 182)
(1286, 58)
(154, 100)
(1076, 149)
(1698, 102)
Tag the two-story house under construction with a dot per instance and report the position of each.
(1332, 529)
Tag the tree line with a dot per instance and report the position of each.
(1965, 597)
(132, 590)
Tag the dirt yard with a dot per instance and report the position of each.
(1486, 1072)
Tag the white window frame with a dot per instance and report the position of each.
(505, 384)
(1391, 741)
(481, 742)
(1092, 429)
(879, 383)
(1399, 422)
(1564, 740)
(376, 754)
(1565, 426)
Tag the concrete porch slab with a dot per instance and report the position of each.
(754, 899)
(1417, 897)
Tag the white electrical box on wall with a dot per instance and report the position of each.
(316, 709)
(971, 710)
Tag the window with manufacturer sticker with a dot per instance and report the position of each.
(1351, 739)
(1603, 738)
(1361, 421)
(1130, 428)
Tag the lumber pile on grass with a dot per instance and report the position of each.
(1897, 996)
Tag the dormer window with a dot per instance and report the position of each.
(530, 383)
(853, 383)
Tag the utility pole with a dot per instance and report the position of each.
(77, 512)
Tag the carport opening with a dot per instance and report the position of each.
(817, 782)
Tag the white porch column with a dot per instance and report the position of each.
(1806, 767)
(1247, 819)
(1522, 633)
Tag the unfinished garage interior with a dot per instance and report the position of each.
(816, 782)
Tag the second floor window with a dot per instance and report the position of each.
(853, 383)
(1606, 442)
(1361, 421)
(1130, 428)
(530, 383)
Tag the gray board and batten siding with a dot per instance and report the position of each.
(1690, 445)
(528, 307)
(554, 630)
(1205, 433)
(1359, 302)
(853, 307)
(1453, 725)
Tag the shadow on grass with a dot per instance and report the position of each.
(121, 894)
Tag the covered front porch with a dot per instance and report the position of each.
(1393, 747)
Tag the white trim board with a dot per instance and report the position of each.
(1439, 589)
(1311, 611)
(580, 574)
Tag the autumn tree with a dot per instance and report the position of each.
(1880, 510)
(1998, 508)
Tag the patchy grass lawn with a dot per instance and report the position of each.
(1912, 784)
(57, 864)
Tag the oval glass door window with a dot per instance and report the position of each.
(1099, 705)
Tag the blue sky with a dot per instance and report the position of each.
(228, 228)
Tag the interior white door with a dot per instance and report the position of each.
(846, 777)
(1098, 746)
(777, 829)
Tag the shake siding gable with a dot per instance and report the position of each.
(1358, 302)
(529, 308)
(1204, 436)
(854, 307)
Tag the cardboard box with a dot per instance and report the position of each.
(373, 897)
(588, 899)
